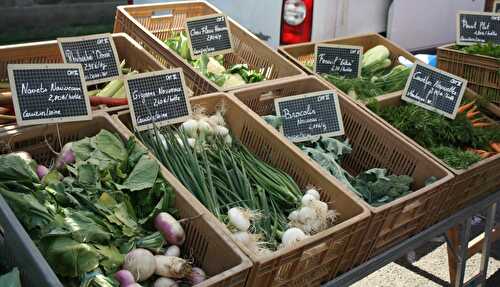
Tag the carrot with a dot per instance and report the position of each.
(465, 107)
(478, 120)
(471, 114)
(485, 155)
(495, 147)
(108, 101)
(481, 125)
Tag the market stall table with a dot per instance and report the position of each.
(463, 218)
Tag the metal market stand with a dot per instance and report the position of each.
(459, 251)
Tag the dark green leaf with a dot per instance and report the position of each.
(111, 145)
(13, 167)
(82, 149)
(112, 258)
(68, 257)
(143, 175)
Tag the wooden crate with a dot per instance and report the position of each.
(311, 261)
(48, 52)
(468, 184)
(481, 72)
(304, 52)
(211, 249)
(373, 146)
(149, 26)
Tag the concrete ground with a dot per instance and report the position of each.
(431, 267)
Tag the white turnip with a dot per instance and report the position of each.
(141, 263)
(172, 267)
(165, 282)
(173, 250)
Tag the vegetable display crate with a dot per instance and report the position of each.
(373, 146)
(302, 53)
(481, 72)
(317, 258)
(210, 248)
(48, 52)
(152, 24)
(468, 184)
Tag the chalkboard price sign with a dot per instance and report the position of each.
(96, 53)
(209, 35)
(478, 27)
(342, 60)
(157, 98)
(48, 93)
(309, 116)
(434, 90)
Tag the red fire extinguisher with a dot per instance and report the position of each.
(296, 22)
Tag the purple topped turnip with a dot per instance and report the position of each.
(170, 228)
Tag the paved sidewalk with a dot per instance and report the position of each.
(431, 266)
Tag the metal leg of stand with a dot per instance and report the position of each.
(462, 252)
(485, 254)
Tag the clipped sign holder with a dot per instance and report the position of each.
(205, 35)
(428, 80)
(310, 116)
(344, 60)
(157, 98)
(96, 53)
(48, 93)
(482, 32)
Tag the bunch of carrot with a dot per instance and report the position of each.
(478, 120)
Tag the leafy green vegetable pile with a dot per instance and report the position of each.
(488, 49)
(374, 185)
(377, 76)
(460, 142)
(213, 67)
(87, 216)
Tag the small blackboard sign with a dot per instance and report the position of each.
(96, 53)
(309, 116)
(48, 93)
(209, 35)
(478, 27)
(434, 90)
(342, 60)
(157, 98)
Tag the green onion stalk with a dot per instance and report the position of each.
(223, 174)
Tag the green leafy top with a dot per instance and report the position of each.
(102, 208)
(434, 131)
(488, 49)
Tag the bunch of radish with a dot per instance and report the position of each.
(141, 264)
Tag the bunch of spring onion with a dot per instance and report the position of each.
(261, 205)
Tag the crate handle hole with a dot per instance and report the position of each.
(412, 206)
(162, 13)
